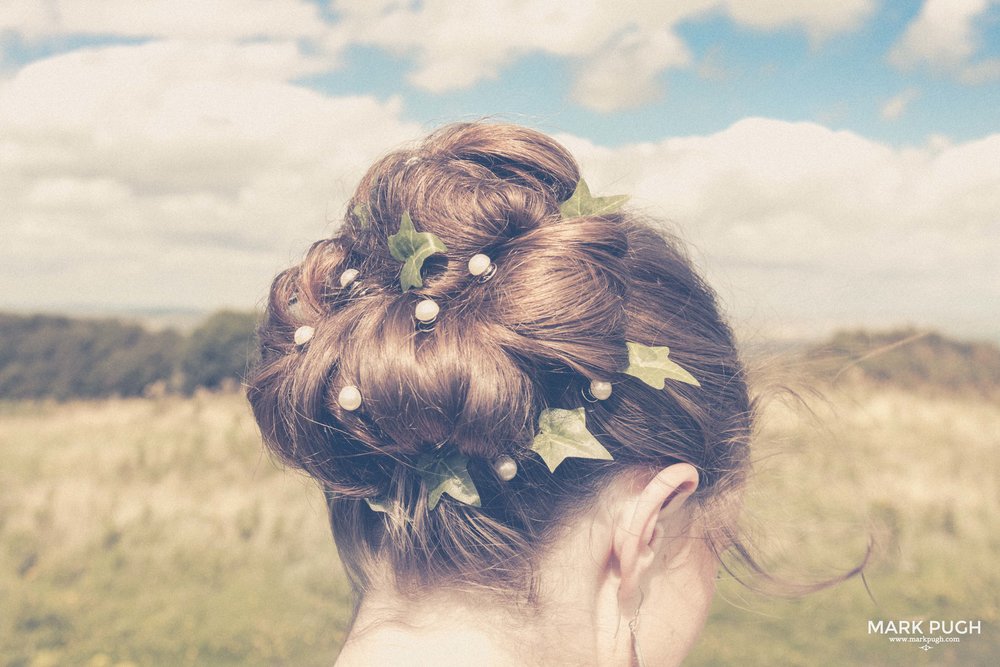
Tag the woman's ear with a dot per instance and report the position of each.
(661, 500)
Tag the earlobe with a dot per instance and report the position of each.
(663, 497)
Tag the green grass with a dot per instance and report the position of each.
(154, 532)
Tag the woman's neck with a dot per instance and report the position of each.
(457, 628)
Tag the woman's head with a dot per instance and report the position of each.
(566, 296)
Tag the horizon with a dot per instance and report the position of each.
(186, 320)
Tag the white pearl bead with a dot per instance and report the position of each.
(348, 277)
(479, 264)
(349, 398)
(303, 335)
(506, 468)
(426, 310)
(600, 389)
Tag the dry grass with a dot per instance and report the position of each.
(918, 474)
(155, 532)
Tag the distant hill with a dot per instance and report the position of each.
(52, 356)
(183, 320)
(909, 358)
(62, 357)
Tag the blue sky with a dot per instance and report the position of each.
(831, 164)
(841, 81)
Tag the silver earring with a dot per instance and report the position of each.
(633, 628)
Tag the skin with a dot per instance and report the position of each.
(636, 549)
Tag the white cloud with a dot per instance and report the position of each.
(796, 222)
(983, 71)
(172, 173)
(619, 49)
(177, 19)
(944, 36)
(638, 59)
(941, 34)
(896, 106)
(818, 19)
(29, 17)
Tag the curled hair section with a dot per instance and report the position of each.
(564, 296)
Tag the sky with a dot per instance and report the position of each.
(831, 165)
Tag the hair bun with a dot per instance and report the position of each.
(472, 185)
(455, 384)
(560, 293)
(361, 402)
(553, 307)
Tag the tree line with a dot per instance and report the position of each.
(46, 356)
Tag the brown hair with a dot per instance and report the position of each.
(567, 295)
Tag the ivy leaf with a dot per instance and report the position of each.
(360, 212)
(582, 204)
(654, 366)
(563, 434)
(376, 505)
(411, 248)
(447, 474)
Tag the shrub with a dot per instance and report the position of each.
(219, 350)
(59, 357)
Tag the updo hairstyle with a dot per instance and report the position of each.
(566, 296)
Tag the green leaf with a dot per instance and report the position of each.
(411, 248)
(654, 366)
(360, 212)
(447, 474)
(582, 204)
(377, 505)
(563, 434)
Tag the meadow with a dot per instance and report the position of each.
(155, 532)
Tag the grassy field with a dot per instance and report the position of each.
(152, 532)
(918, 473)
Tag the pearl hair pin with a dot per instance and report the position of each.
(348, 277)
(599, 390)
(482, 267)
(349, 398)
(426, 312)
(304, 334)
(505, 468)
